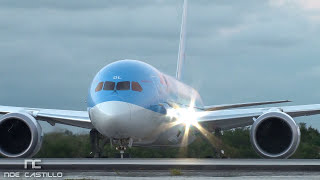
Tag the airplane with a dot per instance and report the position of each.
(131, 103)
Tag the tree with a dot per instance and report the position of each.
(235, 143)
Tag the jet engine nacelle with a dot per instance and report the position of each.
(20, 135)
(275, 135)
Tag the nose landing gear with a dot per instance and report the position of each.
(122, 144)
(98, 141)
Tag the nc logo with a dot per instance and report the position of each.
(33, 163)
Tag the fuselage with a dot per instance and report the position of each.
(126, 100)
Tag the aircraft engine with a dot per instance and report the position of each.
(275, 135)
(20, 135)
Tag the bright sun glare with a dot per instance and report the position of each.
(188, 116)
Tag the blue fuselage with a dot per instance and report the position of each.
(157, 87)
(130, 85)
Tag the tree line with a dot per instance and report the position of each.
(233, 143)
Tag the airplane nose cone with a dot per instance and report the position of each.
(112, 118)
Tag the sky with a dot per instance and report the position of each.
(236, 51)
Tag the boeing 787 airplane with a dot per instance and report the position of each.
(131, 103)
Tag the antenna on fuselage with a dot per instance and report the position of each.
(182, 45)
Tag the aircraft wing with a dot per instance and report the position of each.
(230, 106)
(53, 116)
(228, 119)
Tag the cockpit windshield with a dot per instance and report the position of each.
(99, 86)
(108, 85)
(124, 85)
(136, 86)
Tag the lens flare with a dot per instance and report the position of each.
(184, 115)
(188, 116)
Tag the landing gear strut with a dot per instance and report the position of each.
(121, 149)
(122, 144)
(220, 153)
(96, 147)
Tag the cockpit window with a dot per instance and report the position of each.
(124, 85)
(99, 87)
(108, 85)
(136, 86)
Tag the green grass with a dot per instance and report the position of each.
(79, 179)
(175, 172)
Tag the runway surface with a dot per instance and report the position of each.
(167, 164)
(163, 168)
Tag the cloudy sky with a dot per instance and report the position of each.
(237, 51)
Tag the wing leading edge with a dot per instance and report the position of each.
(53, 116)
(230, 106)
(228, 119)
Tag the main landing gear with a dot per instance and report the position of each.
(220, 153)
(96, 146)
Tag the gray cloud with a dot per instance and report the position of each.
(79, 5)
(236, 50)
